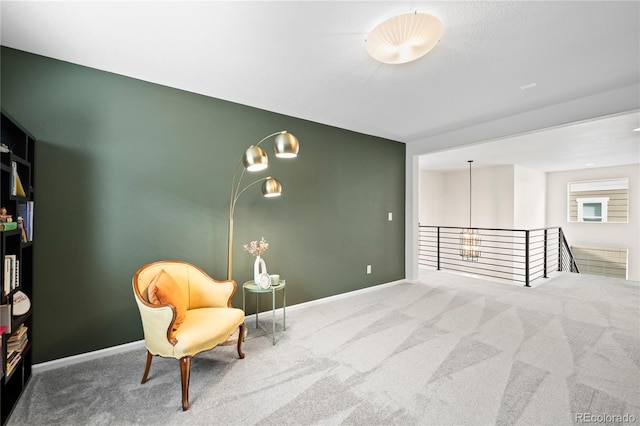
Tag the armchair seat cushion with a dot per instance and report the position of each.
(204, 328)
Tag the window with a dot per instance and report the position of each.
(600, 201)
(593, 209)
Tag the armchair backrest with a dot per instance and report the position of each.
(146, 274)
(191, 280)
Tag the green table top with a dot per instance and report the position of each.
(252, 287)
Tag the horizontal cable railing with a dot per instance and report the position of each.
(515, 255)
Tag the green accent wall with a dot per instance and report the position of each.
(129, 172)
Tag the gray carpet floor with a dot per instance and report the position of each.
(448, 350)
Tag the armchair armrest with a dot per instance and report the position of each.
(206, 292)
(157, 322)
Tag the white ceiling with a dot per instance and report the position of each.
(602, 142)
(307, 59)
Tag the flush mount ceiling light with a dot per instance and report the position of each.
(404, 38)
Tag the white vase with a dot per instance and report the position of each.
(259, 267)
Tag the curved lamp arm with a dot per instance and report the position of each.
(234, 200)
(272, 134)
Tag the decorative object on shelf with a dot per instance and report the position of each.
(8, 226)
(256, 248)
(469, 238)
(275, 279)
(260, 269)
(404, 38)
(263, 281)
(23, 229)
(21, 303)
(255, 159)
(4, 217)
(260, 275)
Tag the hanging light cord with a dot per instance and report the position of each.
(470, 161)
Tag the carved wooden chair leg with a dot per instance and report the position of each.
(185, 371)
(240, 340)
(146, 369)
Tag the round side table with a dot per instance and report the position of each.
(252, 287)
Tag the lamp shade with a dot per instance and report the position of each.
(271, 188)
(255, 159)
(404, 38)
(286, 145)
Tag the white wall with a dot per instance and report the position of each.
(431, 197)
(530, 198)
(616, 235)
(493, 197)
(456, 200)
(444, 197)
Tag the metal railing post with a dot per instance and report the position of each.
(526, 258)
(545, 254)
(438, 243)
(560, 249)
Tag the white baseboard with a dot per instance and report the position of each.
(328, 299)
(75, 359)
(344, 295)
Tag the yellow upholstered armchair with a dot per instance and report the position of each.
(184, 312)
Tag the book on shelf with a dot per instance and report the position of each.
(17, 346)
(17, 341)
(25, 211)
(7, 275)
(11, 356)
(11, 272)
(19, 334)
(14, 356)
(14, 173)
(8, 226)
(16, 183)
(16, 275)
(12, 364)
(19, 187)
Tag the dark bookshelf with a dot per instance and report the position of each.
(18, 245)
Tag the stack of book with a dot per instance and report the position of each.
(16, 344)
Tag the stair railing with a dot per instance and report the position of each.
(514, 255)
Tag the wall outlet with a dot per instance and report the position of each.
(390, 216)
(368, 269)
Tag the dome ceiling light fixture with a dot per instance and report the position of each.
(404, 38)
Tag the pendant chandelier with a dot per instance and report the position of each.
(469, 238)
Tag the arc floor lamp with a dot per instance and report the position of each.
(255, 159)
